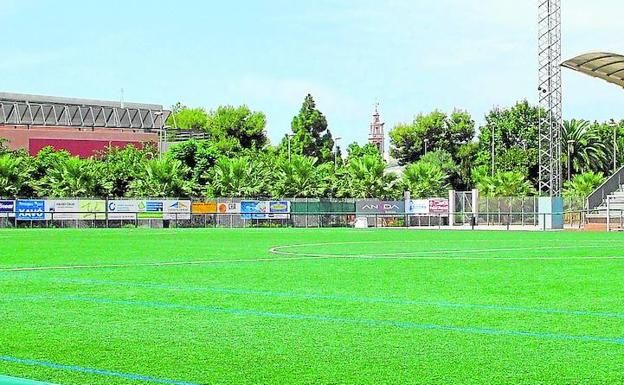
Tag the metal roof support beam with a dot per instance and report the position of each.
(33, 111)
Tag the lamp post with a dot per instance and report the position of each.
(615, 126)
(570, 144)
(493, 154)
(336, 139)
(426, 143)
(160, 132)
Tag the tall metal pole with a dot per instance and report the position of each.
(160, 133)
(493, 151)
(570, 143)
(549, 54)
(614, 147)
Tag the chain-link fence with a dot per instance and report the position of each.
(506, 213)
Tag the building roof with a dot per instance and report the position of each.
(41, 99)
(37, 110)
(603, 65)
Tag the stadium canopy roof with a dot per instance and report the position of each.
(36, 110)
(603, 65)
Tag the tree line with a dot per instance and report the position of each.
(438, 151)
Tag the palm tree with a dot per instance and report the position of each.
(162, 178)
(582, 147)
(15, 174)
(124, 165)
(298, 177)
(505, 184)
(74, 177)
(424, 180)
(582, 185)
(238, 177)
(368, 178)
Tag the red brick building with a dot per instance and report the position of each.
(80, 126)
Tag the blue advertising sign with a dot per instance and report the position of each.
(7, 208)
(265, 209)
(30, 210)
(254, 209)
(279, 209)
(153, 210)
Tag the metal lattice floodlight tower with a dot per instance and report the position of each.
(550, 170)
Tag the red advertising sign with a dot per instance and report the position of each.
(438, 206)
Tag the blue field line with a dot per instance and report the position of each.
(99, 372)
(6, 380)
(344, 298)
(345, 320)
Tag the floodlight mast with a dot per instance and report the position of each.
(550, 103)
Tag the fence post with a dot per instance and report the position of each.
(608, 214)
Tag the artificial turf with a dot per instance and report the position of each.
(337, 306)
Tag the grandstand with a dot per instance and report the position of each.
(608, 199)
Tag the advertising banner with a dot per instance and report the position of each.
(279, 209)
(380, 207)
(92, 209)
(151, 210)
(7, 209)
(265, 209)
(254, 209)
(438, 206)
(418, 206)
(229, 208)
(204, 207)
(30, 210)
(124, 209)
(177, 209)
(63, 209)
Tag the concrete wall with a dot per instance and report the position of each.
(81, 142)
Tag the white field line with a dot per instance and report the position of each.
(294, 256)
(156, 264)
(432, 253)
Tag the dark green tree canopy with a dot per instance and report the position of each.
(311, 136)
(434, 131)
(239, 124)
(514, 132)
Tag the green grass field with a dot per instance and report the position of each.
(339, 306)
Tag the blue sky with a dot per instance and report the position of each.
(410, 55)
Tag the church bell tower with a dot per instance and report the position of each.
(376, 134)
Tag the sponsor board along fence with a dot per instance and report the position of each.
(230, 212)
(240, 212)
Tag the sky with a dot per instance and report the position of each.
(411, 56)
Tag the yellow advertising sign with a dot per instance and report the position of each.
(204, 207)
(92, 210)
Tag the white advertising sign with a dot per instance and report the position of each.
(177, 209)
(63, 209)
(124, 209)
(418, 206)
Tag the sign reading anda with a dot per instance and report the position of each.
(380, 207)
